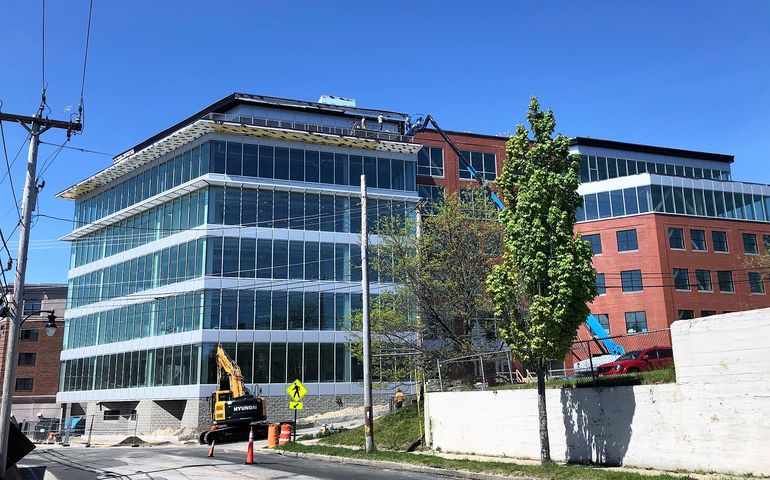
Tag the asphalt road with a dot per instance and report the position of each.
(189, 462)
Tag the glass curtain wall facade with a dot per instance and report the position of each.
(246, 242)
(728, 200)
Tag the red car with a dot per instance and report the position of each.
(639, 361)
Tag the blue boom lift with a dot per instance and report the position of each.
(598, 333)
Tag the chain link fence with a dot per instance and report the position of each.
(479, 371)
(585, 359)
(79, 429)
(587, 355)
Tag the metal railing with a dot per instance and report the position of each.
(309, 127)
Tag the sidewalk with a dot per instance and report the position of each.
(404, 466)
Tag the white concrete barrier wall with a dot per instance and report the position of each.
(716, 418)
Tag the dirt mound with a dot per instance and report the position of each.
(132, 440)
(344, 415)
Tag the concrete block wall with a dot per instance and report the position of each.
(278, 407)
(715, 418)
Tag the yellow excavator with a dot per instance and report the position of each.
(234, 410)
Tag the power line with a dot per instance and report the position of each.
(51, 158)
(228, 227)
(85, 62)
(43, 45)
(80, 149)
(8, 170)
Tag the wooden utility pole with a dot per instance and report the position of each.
(368, 414)
(36, 126)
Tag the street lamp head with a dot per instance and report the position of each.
(50, 327)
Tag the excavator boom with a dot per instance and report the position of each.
(232, 370)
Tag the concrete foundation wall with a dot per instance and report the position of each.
(165, 417)
(716, 418)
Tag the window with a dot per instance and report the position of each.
(596, 242)
(32, 306)
(707, 313)
(698, 240)
(719, 239)
(766, 243)
(627, 240)
(484, 163)
(703, 280)
(433, 194)
(430, 161)
(750, 244)
(755, 283)
(601, 287)
(636, 322)
(676, 238)
(681, 279)
(725, 280)
(27, 358)
(685, 315)
(631, 280)
(604, 321)
(24, 384)
(29, 335)
(111, 415)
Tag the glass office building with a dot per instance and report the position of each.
(240, 226)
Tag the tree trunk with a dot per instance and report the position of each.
(545, 444)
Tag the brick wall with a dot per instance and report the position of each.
(480, 143)
(45, 372)
(659, 299)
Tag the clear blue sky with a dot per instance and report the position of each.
(681, 74)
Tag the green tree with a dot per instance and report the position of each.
(541, 288)
(440, 293)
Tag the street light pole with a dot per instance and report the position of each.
(37, 126)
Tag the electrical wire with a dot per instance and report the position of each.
(81, 107)
(13, 162)
(8, 170)
(80, 149)
(237, 273)
(43, 46)
(226, 227)
(51, 158)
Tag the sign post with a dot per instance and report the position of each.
(296, 391)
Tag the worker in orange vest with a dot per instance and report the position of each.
(399, 398)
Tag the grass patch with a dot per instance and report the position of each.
(653, 377)
(395, 431)
(561, 472)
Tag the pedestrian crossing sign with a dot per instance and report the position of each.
(295, 406)
(296, 391)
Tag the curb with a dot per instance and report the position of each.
(404, 467)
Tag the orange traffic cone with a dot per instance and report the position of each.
(250, 450)
(211, 448)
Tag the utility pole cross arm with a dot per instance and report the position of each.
(45, 123)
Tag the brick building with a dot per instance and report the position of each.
(37, 372)
(673, 235)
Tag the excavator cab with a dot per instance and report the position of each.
(218, 400)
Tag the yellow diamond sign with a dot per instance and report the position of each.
(295, 406)
(296, 391)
